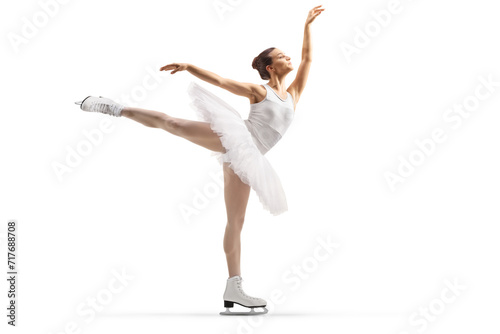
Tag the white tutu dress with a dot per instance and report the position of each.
(246, 141)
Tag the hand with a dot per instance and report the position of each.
(313, 13)
(176, 67)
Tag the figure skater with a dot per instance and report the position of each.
(239, 145)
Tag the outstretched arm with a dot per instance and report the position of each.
(205, 75)
(239, 88)
(298, 85)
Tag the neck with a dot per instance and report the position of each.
(277, 82)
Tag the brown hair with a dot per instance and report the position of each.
(261, 61)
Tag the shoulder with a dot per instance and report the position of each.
(259, 93)
(246, 89)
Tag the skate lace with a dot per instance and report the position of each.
(98, 106)
(238, 283)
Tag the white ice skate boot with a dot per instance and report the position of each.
(234, 294)
(101, 104)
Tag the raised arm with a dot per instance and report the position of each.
(298, 85)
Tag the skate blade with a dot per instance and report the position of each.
(251, 312)
(81, 102)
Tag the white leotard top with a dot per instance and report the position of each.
(269, 119)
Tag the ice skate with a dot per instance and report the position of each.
(234, 294)
(100, 104)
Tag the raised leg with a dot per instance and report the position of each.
(236, 194)
(199, 133)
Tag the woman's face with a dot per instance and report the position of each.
(281, 62)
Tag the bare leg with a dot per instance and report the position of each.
(236, 195)
(197, 132)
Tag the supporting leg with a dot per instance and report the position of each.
(236, 194)
(199, 133)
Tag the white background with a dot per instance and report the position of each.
(119, 208)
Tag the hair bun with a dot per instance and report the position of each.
(255, 63)
(261, 62)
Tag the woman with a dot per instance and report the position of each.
(239, 144)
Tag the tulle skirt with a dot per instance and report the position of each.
(242, 154)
